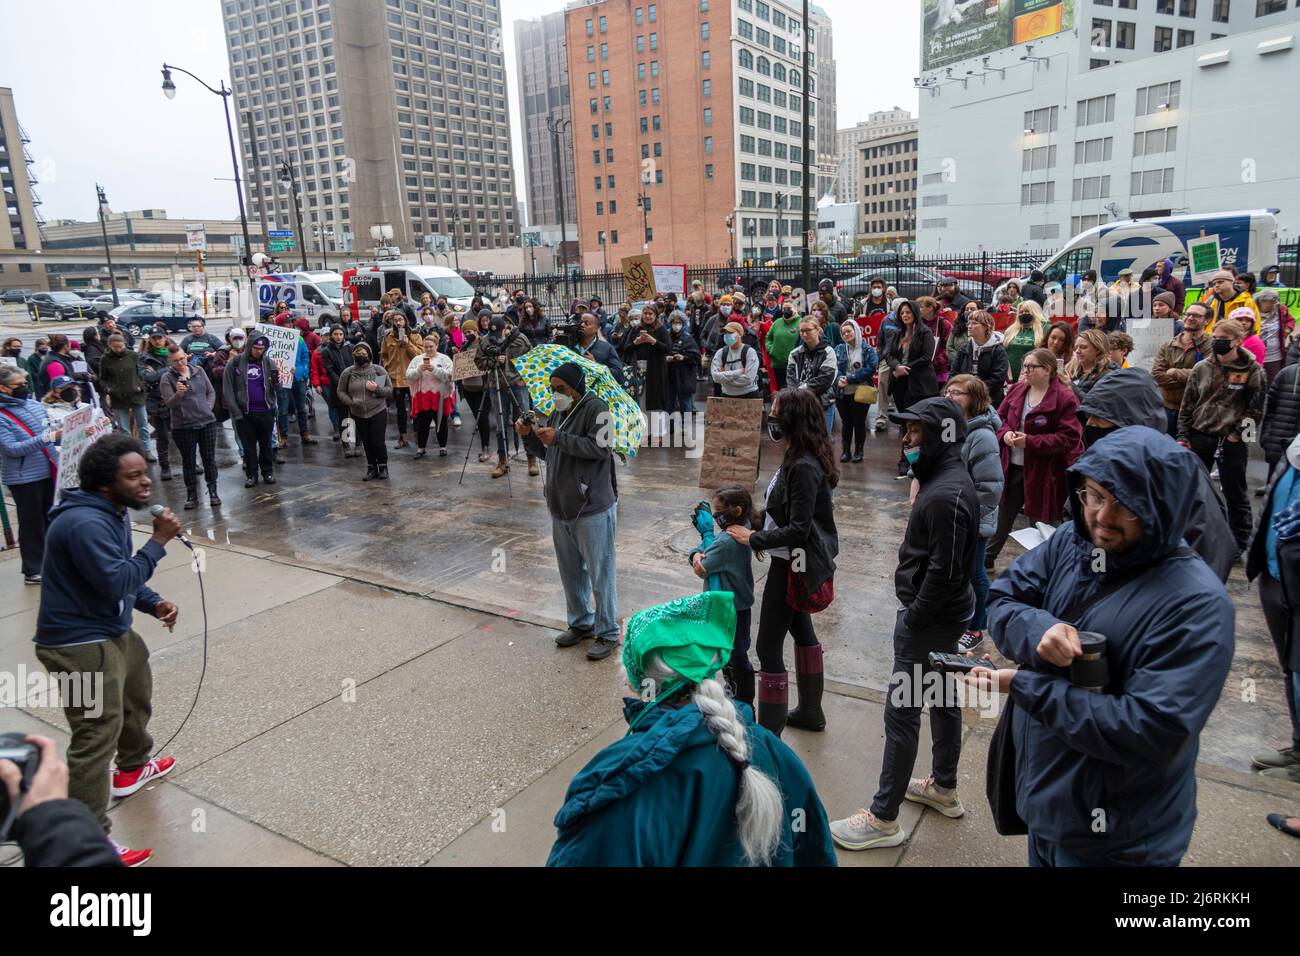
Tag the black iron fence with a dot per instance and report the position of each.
(978, 274)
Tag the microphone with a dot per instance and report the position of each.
(157, 510)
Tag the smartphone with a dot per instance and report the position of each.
(957, 663)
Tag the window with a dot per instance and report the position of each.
(708, 144)
(651, 11)
(708, 167)
(1165, 6)
(1125, 35)
(708, 116)
(1152, 181)
(1158, 98)
(1186, 38)
(591, 80)
(746, 116)
(1100, 109)
(1037, 194)
(1093, 151)
(1041, 121)
(708, 88)
(1164, 39)
(705, 59)
(1092, 187)
(1100, 35)
(1187, 8)
(745, 59)
(1264, 7)
(590, 32)
(746, 87)
(1032, 160)
(1222, 11)
(1155, 141)
(746, 143)
(1080, 224)
(704, 30)
(604, 25)
(747, 172)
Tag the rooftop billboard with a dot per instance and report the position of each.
(953, 30)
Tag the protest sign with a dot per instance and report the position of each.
(463, 367)
(283, 349)
(80, 430)
(638, 278)
(731, 442)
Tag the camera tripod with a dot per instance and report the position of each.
(496, 389)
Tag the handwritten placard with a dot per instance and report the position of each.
(638, 278)
(732, 429)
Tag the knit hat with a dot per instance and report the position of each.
(1245, 315)
(726, 300)
(1222, 274)
(469, 325)
(1168, 299)
(693, 635)
(572, 375)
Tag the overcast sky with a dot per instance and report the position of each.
(87, 87)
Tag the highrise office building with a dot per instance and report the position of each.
(393, 112)
(21, 201)
(543, 97)
(848, 143)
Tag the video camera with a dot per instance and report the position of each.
(570, 333)
(14, 747)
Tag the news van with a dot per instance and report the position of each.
(1247, 240)
(366, 282)
(315, 295)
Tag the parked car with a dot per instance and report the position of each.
(911, 282)
(14, 296)
(59, 305)
(788, 270)
(138, 317)
(104, 304)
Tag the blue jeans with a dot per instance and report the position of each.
(980, 582)
(584, 550)
(514, 402)
(830, 419)
(1045, 853)
(122, 419)
(298, 395)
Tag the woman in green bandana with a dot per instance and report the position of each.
(695, 782)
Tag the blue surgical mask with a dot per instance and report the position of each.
(730, 338)
(913, 455)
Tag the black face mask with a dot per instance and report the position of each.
(361, 358)
(1093, 434)
(775, 429)
(70, 395)
(1222, 346)
(20, 392)
(721, 519)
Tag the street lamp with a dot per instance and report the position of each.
(643, 203)
(780, 221)
(169, 90)
(103, 228)
(731, 238)
(322, 235)
(290, 178)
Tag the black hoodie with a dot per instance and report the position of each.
(1130, 396)
(937, 556)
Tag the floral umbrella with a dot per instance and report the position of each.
(627, 422)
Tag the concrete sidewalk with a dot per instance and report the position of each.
(345, 722)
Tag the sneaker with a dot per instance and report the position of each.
(969, 641)
(127, 782)
(573, 636)
(601, 649)
(31, 579)
(863, 831)
(455, 421)
(250, 482)
(214, 500)
(1280, 820)
(926, 792)
(442, 453)
(191, 502)
(131, 857)
(166, 473)
(1271, 759)
(1291, 773)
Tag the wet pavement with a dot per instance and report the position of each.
(486, 544)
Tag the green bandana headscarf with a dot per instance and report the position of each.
(694, 636)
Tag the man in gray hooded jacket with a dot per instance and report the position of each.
(582, 497)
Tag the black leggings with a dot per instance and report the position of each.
(401, 399)
(423, 422)
(370, 436)
(481, 416)
(853, 433)
(777, 618)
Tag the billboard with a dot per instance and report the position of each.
(953, 30)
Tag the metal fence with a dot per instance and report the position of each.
(978, 273)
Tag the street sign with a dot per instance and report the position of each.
(196, 237)
(282, 240)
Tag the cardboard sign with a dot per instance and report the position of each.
(638, 278)
(1205, 258)
(463, 367)
(669, 278)
(80, 430)
(731, 439)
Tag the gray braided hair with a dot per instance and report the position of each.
(759, 807)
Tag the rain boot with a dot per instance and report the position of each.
(741, 683)
(532, 466)
(773, 700)
(501, 468)
(808, 677)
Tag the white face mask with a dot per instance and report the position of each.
(725, 310)
(1293, 452)
(561, 401)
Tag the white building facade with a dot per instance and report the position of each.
(1145, 108)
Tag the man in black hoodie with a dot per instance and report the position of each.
(1130, 396)
(933, 583)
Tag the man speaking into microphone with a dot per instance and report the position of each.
(91, 581)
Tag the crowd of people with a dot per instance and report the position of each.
(1014, 413)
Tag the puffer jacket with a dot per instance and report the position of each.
(1220, 309)
(1125, 757)
(22, 456)
(988, 362)
(1281, 414)
(983, 460)
(814, 369)
(119, 378)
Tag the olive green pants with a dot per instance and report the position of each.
(120, 728)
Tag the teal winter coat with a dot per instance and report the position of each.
(665, 795)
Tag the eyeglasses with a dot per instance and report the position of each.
(954, 393)
(1030, 368)
(1092, 501)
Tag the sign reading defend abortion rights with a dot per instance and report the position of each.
(283, 349)
(80, 430)
(731, 442)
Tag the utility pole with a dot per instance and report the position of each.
(288, 175)
(557, 127)
(455, 237)
(643, 202)
(257, 178)
(807, 62)
(780, 221)
(103, 228)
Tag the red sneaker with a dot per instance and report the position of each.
(131, 857)
(127, 782)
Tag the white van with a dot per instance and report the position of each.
(364, 284)
(1247, 240)
(315, 295)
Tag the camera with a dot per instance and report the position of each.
(1091, 670)
(529, 418)
(14, 747)
(570, 333)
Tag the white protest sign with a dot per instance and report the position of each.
(8, 360)
(80, 430)
(283, 349)
(670, 278)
